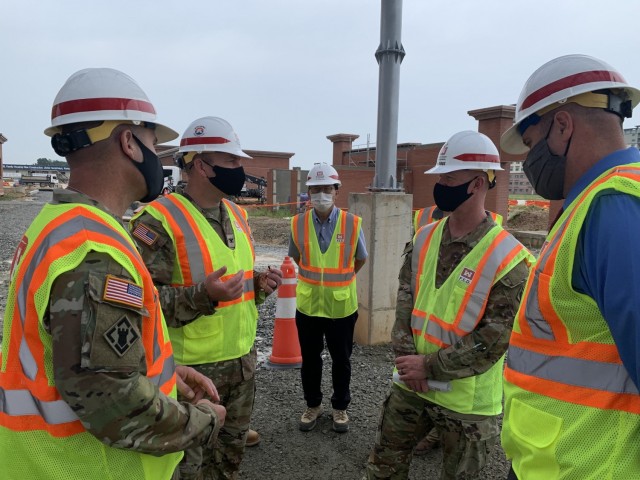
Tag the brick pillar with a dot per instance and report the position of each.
(493, 122)
(342, 142)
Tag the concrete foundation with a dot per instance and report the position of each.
(386, 222)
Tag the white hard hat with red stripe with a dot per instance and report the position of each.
(210, 134)
(467, 150)
(580, 79)
(104, 94)
(322, 174)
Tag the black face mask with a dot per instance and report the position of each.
(228, 180)
(545, 170)
(151, 170)
(449, 198)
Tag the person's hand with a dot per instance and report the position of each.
(193, 385)
(270, 280)
(412, 372)
(221, 412)
(225, 290)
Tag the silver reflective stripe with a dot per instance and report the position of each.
(191, 243)
(17, 403)
(475, 306)
(434, 330)
(165, 375)
(607, 377)
(59, 234)
(349, 244)
(325, 277)
(421, 238)
(301, 222)
(238, 212)
(540, 328)
(349, 251)
(248, 285)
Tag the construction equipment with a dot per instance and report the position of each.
(257, 194)
(44, 181)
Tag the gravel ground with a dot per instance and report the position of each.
(285, 452)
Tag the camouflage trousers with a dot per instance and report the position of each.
(467, 440)
(237, 393)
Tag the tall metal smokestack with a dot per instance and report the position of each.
(389, 56)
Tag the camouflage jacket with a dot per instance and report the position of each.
(474, 353)
(109, 392)
(182, 305)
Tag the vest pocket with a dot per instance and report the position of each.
(537, 434)
(341, 295)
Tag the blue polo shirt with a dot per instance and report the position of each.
(607, 266)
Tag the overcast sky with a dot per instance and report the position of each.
(287, 73)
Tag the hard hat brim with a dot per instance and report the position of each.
(511, 141)
(438, 169)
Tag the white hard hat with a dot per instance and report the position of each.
(573, 79)
(467, 150)
(322, 174)
(210, 134)
(103, 94)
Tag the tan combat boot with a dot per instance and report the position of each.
(309, 418)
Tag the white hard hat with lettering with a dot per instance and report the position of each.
(322, 174)
(467, 150)
(580, 79)
(210, 134)
(104, 94)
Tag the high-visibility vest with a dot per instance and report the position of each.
(425, 216)
(571, 409)
(230, 332)
(40, 435)
(326, 281)
(428, 215)
(443, 315)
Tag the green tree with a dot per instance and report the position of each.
(47, 162)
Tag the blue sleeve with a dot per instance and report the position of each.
(607, 269)
(361, 248)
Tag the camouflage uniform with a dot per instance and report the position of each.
(109, 392)
(233, 378)
(406, 417)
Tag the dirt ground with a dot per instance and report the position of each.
(275, 231)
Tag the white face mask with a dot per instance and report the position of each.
(322, 201)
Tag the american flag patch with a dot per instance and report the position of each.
(121, 291)
(145, 234)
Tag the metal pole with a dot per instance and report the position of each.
(389, 56)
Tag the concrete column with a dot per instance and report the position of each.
(386, 222)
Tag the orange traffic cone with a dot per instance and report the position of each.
(286, 347)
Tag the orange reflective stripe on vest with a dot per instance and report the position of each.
(30, 398)
(542, 359)
(341, 275)
(498, 255)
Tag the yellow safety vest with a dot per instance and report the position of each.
(40, 435)
(326, 281)
(230, 332)
(571, 409)
(442, 316)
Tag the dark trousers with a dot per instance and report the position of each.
(512, 475)
(338, 333)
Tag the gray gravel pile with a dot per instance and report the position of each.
(285, 452)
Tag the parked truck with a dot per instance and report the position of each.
(43, 181)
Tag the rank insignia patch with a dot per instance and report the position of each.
(121, 336)
(145, 234)
(121, 291)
